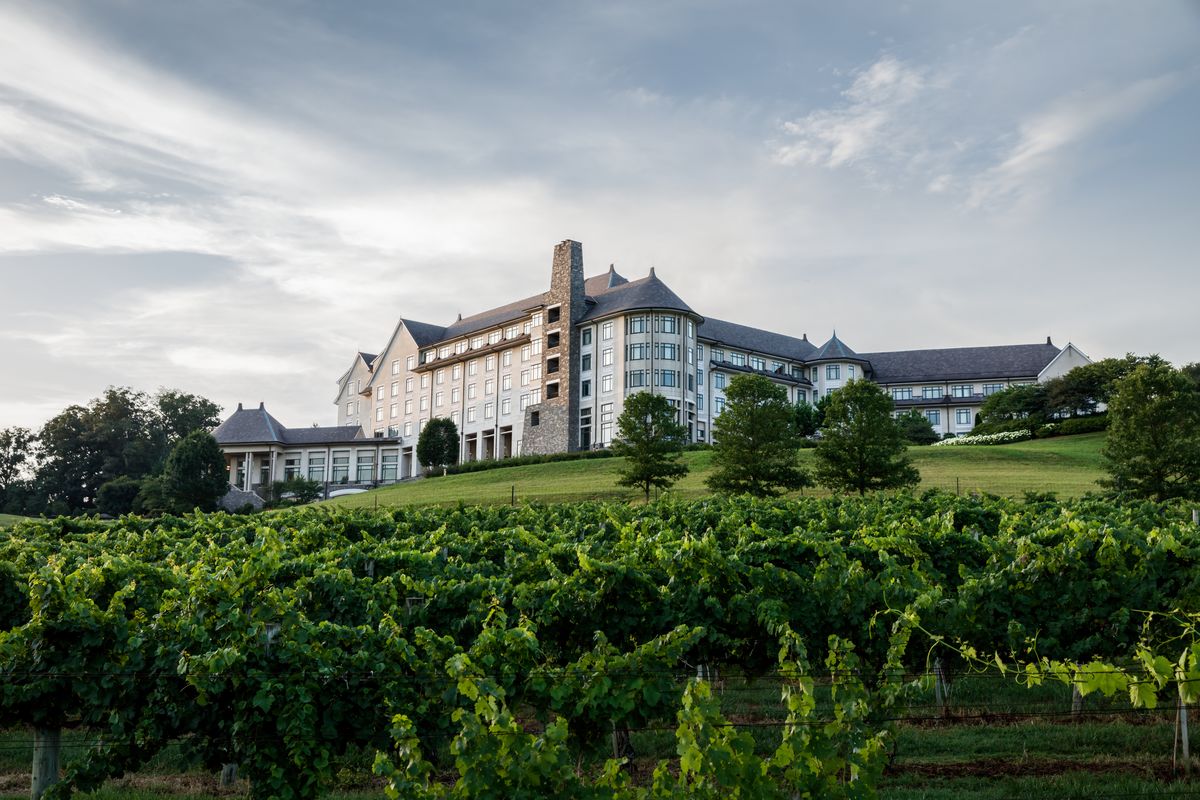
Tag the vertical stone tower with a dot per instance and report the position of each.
(552, 425)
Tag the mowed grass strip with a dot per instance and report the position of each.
(8, 520)
(1067, 465)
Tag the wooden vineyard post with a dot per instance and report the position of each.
(228, 775)
(46, 746)
(622, 745)
(1183, 733)
(1076, 700)
(1196, 516)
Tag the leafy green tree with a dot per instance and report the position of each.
(809, 417)
(196, 475)
(300, 490)
(1015, 408)
(16, 455)
(181, 413)
(756, 443)
(916, 428)
(437, 446)
(118, 496)
(1153, 444)
(651, 440)
(1193, 372)
(862, 448)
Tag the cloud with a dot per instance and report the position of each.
(1047, 138)
(863, 126)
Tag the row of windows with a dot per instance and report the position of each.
(475, 343)
(937, 392)
(663, 351)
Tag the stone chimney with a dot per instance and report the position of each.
(566, 279)
(552, 426)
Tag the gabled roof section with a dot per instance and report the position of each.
(249, 425)
(422, 332)
(961, 363)
(257, 426)
(598, 284)
(648, 292)
(368, 358)
(834, 350)
(743, 337)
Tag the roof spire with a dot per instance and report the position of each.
(459, 316)
(652, 275)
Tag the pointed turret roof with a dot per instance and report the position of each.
(648, 292)
(257, 426)
(834, 350)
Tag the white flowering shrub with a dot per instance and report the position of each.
(1007, 437)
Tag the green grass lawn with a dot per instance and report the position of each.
(1068, 465)
(8, 520)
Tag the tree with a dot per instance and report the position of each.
(16, 455)
(196, 475)
(118, 496)
(809, 418)
(916, 428)
(438, 443)
(1015, 408)
(651, 441)
(756, 444)
(1153, 444)
(1193, 373)
(181, 413)
(861, 446)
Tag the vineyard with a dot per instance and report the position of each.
(714, 648)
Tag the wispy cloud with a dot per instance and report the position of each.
(864, 125)
(1045, 140)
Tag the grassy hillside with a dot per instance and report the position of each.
(8, 520)
(1068, 465)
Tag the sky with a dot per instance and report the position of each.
(232, 198)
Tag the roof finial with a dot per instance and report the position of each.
(652, 275)
(239, 406)
(1048, 340)
(460, 316)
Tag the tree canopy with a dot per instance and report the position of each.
(651, 440)
(916, 428)
(195, 475)
(1153, 444)
(861, 447)
(756, 443)
(437, 446)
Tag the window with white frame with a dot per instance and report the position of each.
(408, 406)
(454, 416)
(962, 390)
(606, 357)
(424, 380)
(460, 347)
(437, 399)
(471, 391)
(439, 376)
(489, 386)
(606, 383)
(424, 405)
(410, 362)
(396, 367)
(757, 363)
(494, 337)
(489, 410)
(394, 410)
(902, 393)
(455, 395)
(506, 381)
(350, 409)
(456, 372)
(606, 331)
(931, 393)
(526, 352)
(991, 388)
(833, 372)
(473, 367)
(506, 406)
(408, 428)
(606, 422)
(476, 342)
(962, 416)
(506, 358)
(512, 332)
(537, 347)
(444, 351)
(395, 388)
(489, 363)
(379, 393)
(934, 416)
(470, 413)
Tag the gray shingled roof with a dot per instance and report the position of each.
(743, 337)
(648, 292)
(257, 426)
(368, 357)
(423, 333)
(961, 363)
(835, 350)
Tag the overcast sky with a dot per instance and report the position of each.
(231, 198)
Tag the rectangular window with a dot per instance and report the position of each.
(341, 469)
(291, 467)
(437, 399)
(455, 395)
(470, 413)
(585, 388)
(425, 380)
(850, 371)
(931, 393)
(635, 324)
(833, 372)
(473, 367)
(396, 367)
(506, 358)
(439, 376)
(585, 363)
(802, 396)
(963, 390)
(992, 388)
(719, 380)
(489, 410)
(665, 324)
(585, 336)
(585, 428)
(456, 372)
(489, 363)
(409, 383)
(350, 409)
(395, 388)
(737, 359)
(962, 416)
(904, 393)
(814, 374)
(454, 417)
(606, 357)
(718, 405)
(553, 314)
(506, 381)
(527, 327)
(316, 468)
(718, 354)
(934, 416)
(526, 352)
(666, 377)
(699, 402)
(379, 414)
(636, 378)
(606, 422)
(460, 347)
(366, 467)
(606, 331)
(524, 401)
(391, 463)
(410, 362)
(524, 377)
(537, 347)
(757, 363)
(408, 429)
(476, 342)
(606, 383)
(667, 352)
(471, 391)
(489, 386)
(638, 351)
(512, 332)
(506, 406)
(394, 410)
(424, 403)
(494, 337)
(444, 351)
(408, 406)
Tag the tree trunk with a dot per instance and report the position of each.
(46, 746)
